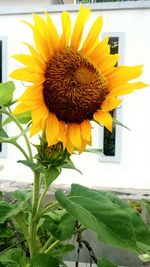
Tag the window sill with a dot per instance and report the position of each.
(37, 8)
(124, 193)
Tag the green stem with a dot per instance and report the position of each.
(33, 224)
(52, 246)
(50, 206)
(41, 200)
(9, 114)
(47, 244)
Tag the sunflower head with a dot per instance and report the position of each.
(72, 80)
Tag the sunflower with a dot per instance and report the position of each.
(71, 81)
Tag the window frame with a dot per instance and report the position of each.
(3, 153)
(117, 157)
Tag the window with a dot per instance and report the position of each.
(110, 143)
(101, 1)
(2, 79)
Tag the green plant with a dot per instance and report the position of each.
(70, 87)
(36, 235)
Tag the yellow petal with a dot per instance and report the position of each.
(75, 134)
(101, 47)
(32, 93)
(126, 88)
(108, 62)
(25, 106)
(35, 128)
(103, 118)
(83, 146)
(41, 45)
(86, 130)
(24, 74)
(21, 108)
(111, 103)
(123, 74)
(52, 129)
(40, 114)
(66, 30)
(54, 37)
(33, 103)
(69, 145)
(43, 30)
(82, 18)
(28, 24)
(100, 52)
(30, 62)
(93, 34)
(36, 55)
(39, 36)
(62, 132)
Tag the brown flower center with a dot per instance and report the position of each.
(73, 88)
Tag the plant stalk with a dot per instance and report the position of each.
(41, 200)
(47, 244)
(21, 129)
(33, 224)
(52, 246)
(49, 207)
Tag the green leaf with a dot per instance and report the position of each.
(5, 231)
(120, 124)
(8, 210)
(4, 138)
(146, 205)
(93, 150)
(22, 118)
(51, 174)
(113, 221)
(62, 228)
(34, 166)
(145, 257)
(3, 133)
(22, 195)
(70, 165)
(44, 260)
(14, 258)
(1, 194)
(6, 93)
(62, 250)
(105, 263)
(141, 230)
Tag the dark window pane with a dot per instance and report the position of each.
(109, 141)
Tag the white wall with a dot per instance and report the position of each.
(134, 168)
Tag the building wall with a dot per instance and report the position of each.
(134, 167)
(9, 4)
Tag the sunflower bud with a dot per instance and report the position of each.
(55, 155)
